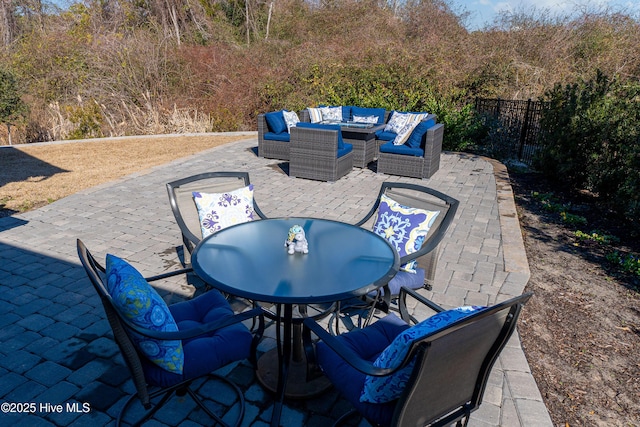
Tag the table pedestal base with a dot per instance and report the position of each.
(297, 387)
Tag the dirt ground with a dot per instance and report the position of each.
(581, 331)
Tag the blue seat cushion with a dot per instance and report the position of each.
(275, 121)
(206, 353)
(284, 136)
(404, 149)
(344, 150)
(368, 343)
(416, 137)
(325, 127)
(346, 113)
(385, 136)
(404, 279)
(364, 111)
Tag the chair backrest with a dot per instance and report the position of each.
(453, 366)
(417, 196)
(96, 273)
(184, 208)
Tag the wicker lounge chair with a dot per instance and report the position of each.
(277, 148)
(415, 166)
(316, 153)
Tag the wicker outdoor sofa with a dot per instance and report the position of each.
(418, 157)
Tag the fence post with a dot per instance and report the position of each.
(525, 129)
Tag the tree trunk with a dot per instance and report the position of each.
(9, 132)
(266, 36)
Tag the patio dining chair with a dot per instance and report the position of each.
(167, 348)
(415, 220)
(184, 207)
(432, 373)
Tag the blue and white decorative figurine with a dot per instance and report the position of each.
(296, 241)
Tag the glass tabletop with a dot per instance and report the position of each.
(250, 260)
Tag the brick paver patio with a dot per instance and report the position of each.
(56, 347)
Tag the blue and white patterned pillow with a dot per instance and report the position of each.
(220, 210)
(142, 305)
(315, 115)
(404, 227)
(365, 119)
(390, 387)
(291, 119)
(331, 114)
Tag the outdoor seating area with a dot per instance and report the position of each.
(396, 143)
(231, 268)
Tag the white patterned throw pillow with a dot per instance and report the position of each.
(290, 118)
(331, 114)
(221, 210)
(365, 119)
(315, 115)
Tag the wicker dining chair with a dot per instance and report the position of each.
(432, 373)
(211, 336)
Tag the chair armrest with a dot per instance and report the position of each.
(351, 357)
(169, 274)
(199, 330)
(402, 304)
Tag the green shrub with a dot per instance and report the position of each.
(591, 140)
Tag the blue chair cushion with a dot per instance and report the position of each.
(415, 139)
(368, 343)
(364, 111)
(404, 227)
(346, 149)
(391, 148)
(390, 387)
(141, 305)
(284, 136)
(404, 279)
(385, 136)
(206, 353)
(276, 121)
(325, 127)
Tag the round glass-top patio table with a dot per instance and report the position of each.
(250, 260)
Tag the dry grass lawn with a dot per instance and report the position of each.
(35, 175)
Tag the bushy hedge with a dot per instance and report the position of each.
(591, 140)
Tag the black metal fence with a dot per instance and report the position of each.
(516, 125)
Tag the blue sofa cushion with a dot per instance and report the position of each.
(346, 149)
(341, 143)
(276, 122)
(391, 148)
(415, 139)
(346, 113)
(364, 111)
(205, 353)
(368, 343)
(385, 135)
(284, 136)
